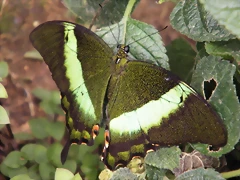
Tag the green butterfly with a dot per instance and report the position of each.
(140, 105)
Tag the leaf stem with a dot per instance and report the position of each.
(231, 174)
(126, 16)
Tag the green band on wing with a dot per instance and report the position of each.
(152, 113)
(74, 73)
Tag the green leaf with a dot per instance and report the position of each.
(55, 97)
(42, 94)
(40, 154)
(3, 69)
(4, 169)
(105, 174)
(21, 177)
(33, 55)
(28, 151)
(63, 174)
(223, 98)
(38, 127)
(86, 10)
(46, 171)
(136, 165)
(89, 162)
(56, 130)
(78, 152)
(35, 152)
(50, 100)
(77, 177)
(201, 50)
(71, 165)
(3, 92)
(181, 59)
(66, 175)
(144, 40)
(54, 154)
(73, 152)
(33, 172)
(15, 159)
(4, 119)
(23, 136)
(228, 50)
(164, 158)
(200, 173)
(154, 173)
(191, 19)
(50, 108)
(226, 12)
(123, 174)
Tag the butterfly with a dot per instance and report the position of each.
(141, 106)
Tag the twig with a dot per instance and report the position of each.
(3, 4)
(97, 13)
(231, 174)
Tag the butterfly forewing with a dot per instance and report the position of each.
(78, 59)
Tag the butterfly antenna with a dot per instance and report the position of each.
(98, 12)
(148, 35)
(116, 39)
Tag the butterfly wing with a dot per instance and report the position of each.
(80, 65)
(150, 102)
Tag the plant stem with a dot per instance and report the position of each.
(231, 174)
(126, 16)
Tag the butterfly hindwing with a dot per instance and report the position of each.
(153, 104)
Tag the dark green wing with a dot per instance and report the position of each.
(80, 64)
(149, 101)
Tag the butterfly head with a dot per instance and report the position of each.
(122, 53)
